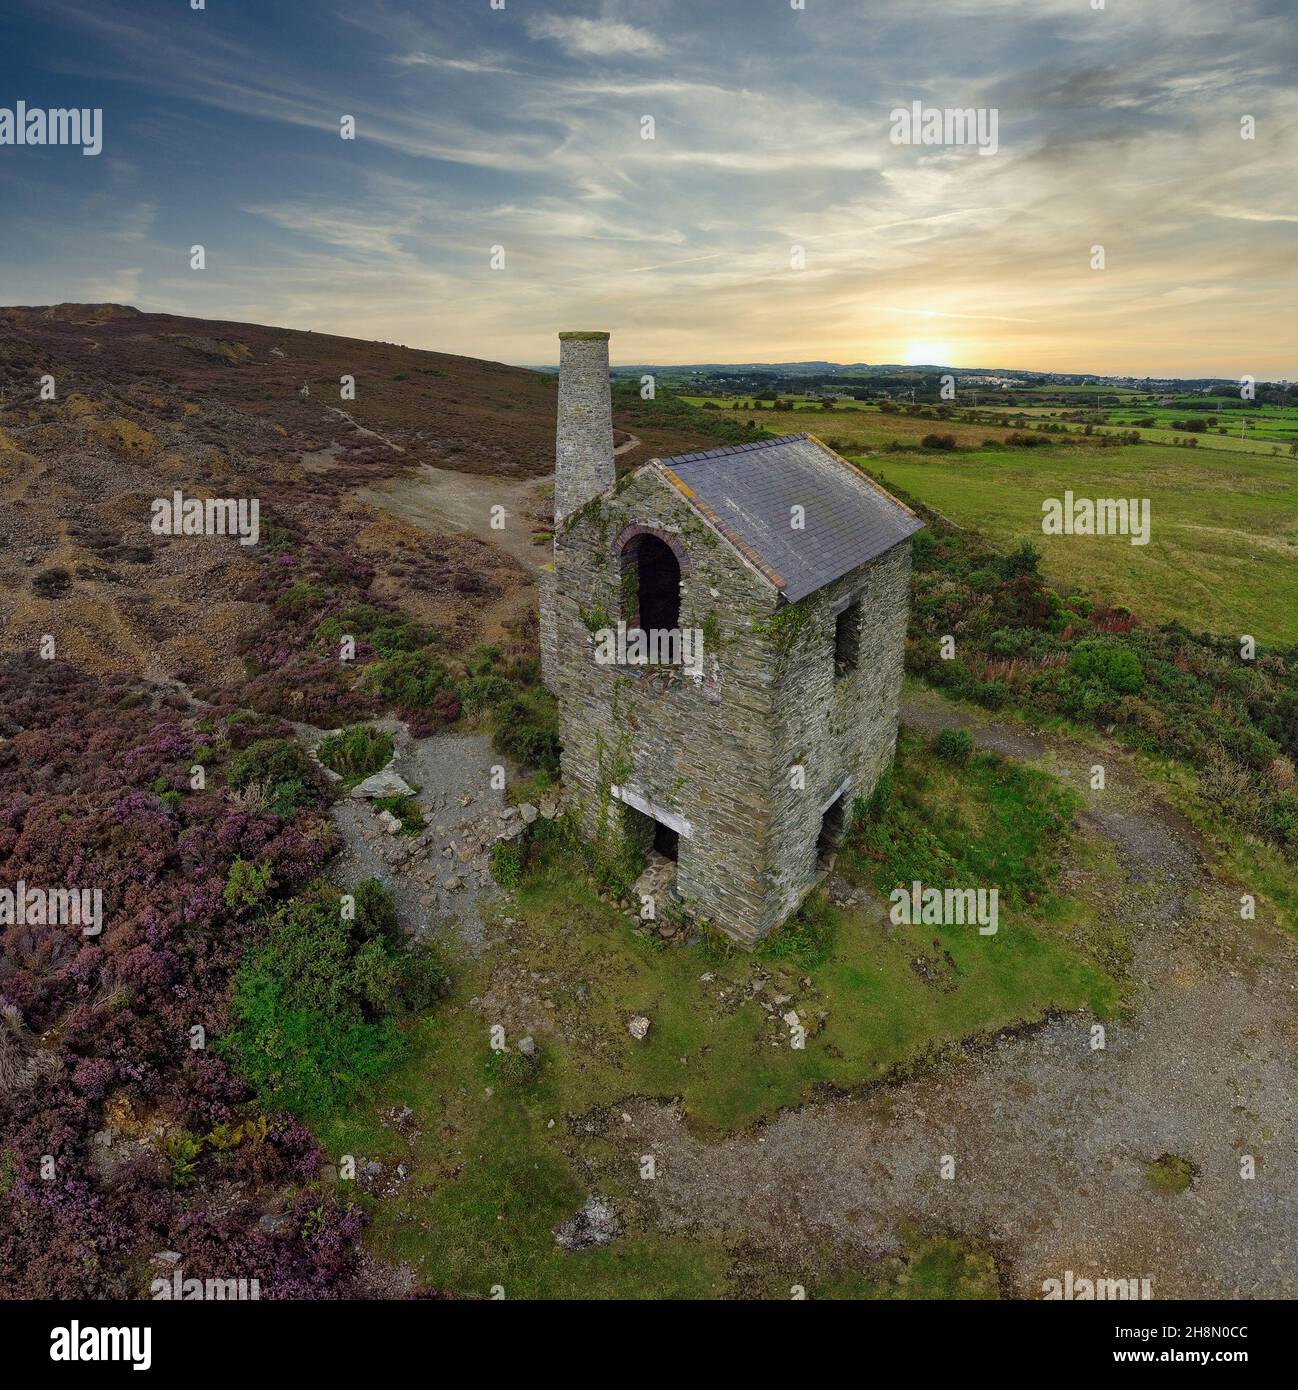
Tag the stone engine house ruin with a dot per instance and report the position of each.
(791, 570)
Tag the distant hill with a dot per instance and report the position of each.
(456, 412)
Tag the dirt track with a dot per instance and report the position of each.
(1050, 1137)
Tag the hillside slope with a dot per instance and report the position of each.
(147, 403)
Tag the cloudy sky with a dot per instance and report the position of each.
(522, 127)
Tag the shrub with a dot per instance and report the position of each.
(376, 913)
(280, 768)
(1023, 560)
(529, 743)
(1117, 668)
(299, 599)
(315, 1006)
(938, 441)
(954, 745)
(357, 752)
(246, 885)
(409, 680)
(387, 632)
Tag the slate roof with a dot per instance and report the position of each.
(746, 492)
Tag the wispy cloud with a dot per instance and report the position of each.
(596, 38)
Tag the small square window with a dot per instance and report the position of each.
(847, 639)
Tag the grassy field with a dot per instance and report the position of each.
(1223, 535)
(502, 1149)
(1224, 515)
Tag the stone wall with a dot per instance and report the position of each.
(833, 727)
(702, 750)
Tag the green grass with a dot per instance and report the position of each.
(1224, 527)
(1171, 1173)
(1224, 514)
(356, 753)
(987, 822)
(929, 1268)
(406, 809)
(502, 1142)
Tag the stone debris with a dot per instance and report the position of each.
(595, 1224)
(655, 885)
(638, 1027)
(528, 812)
(385, 783)
(389, 822)
(527, 1046)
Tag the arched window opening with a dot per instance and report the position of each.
(657, 580)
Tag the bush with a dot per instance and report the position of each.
(299, 599)
(357, 752)
(376, 913)
(283, 772)
(1023, 560)
(938, 441)
(1117, 668)
(529, 743)
(387, 632)
(954, 745)
(246, 885)
(410, 680)
(525, 717)
(315, 1007)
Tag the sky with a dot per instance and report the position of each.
(500, 187)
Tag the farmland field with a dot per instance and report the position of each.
(1223, 537)
(1223, 548)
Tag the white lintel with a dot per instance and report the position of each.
(651, 809)
(842, 787)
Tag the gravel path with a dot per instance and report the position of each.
(442, 878)
(1051, 1138)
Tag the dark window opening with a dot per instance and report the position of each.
(847, 639)
(658, 585)
(831, 832)
(666, 841)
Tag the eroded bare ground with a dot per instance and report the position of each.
(1051, 1138)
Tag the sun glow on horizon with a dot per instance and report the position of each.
(928, 354)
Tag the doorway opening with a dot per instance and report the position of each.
(667, 842)
(831, 831)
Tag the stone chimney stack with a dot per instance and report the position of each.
(583, 453)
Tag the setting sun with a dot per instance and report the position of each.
(927, 355)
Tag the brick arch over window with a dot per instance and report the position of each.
(653, 563)
(629, 533)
